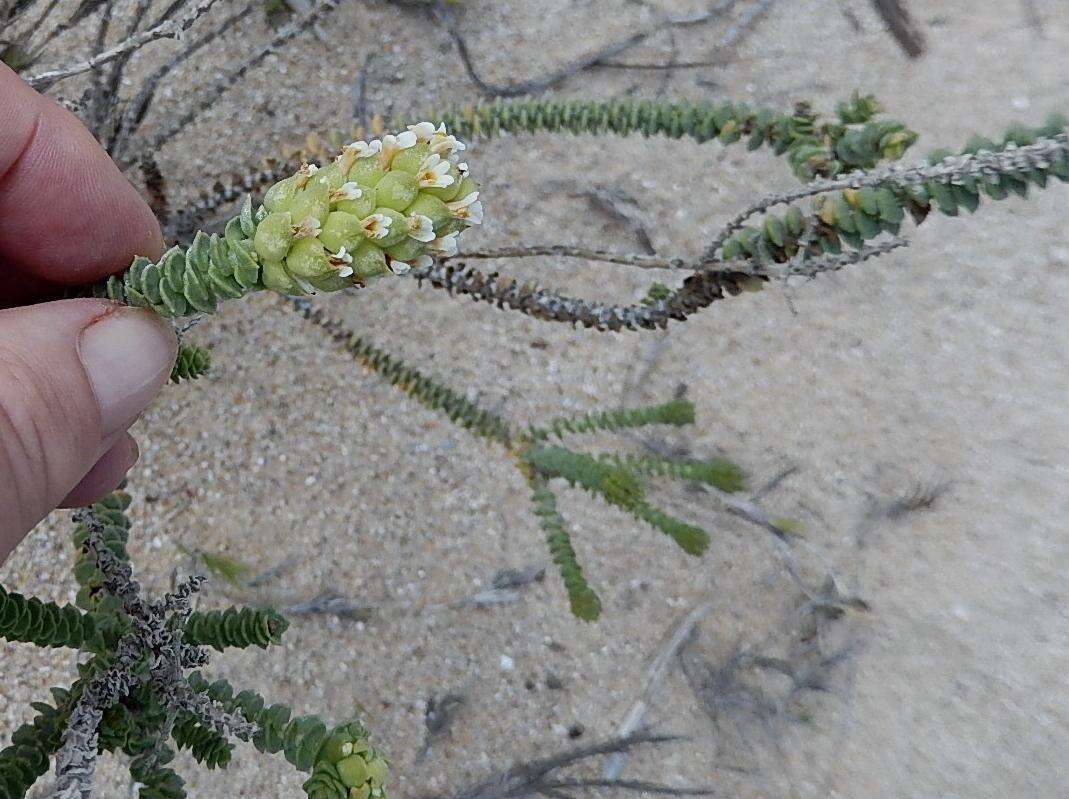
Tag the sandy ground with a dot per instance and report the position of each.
(941, 365)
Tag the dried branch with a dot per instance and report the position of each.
(563, 251)
(446, 16)
(538, 777)
(207, 95)
(171, 29)
(902, 26)
(654, 676)
(699, 290)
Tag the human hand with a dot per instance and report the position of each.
(74, 374)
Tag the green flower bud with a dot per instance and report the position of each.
(368, 260)
(433, 208)
(410, 160)
(274, 235)
(330, 176)
(279, 196)
(366, 172)
(360, 207)
(353, 770)
(397, 230)
(312, 202)
(340, 230)
(407, 250)
(396, 190)
(360, 792)
(276, 278)
(376, 771)
(467, 186)
(308, 258)
(337, 746)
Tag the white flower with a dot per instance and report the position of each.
(392, 145)
(348, 191)
(307, 229)
(462, 168)
(376, 226)
(356, 150)
(445, 246)
(443, 142)
(398, 267)
(424, 130)
(467, 209)
(420, 228)
(304, 174)
(403, 267)
(434, 172)
(341, 261)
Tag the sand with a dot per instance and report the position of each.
(941, 365)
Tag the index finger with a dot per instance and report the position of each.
(67, 214)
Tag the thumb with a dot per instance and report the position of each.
(73, 376)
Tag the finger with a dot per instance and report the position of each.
(105, 475)
(67, 214)
(73, 375)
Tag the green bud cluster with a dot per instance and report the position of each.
(855, 216)
(380, 207)
(348, 767)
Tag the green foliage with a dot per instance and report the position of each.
(853, 217)
(676, 412)
(46, 624)
(717, 472)
(341, 760)
(206, 745)
(213, 269)
(26, 760)
(192, 362)
(618, 486)
(153, 707)
(813, 147)
(235, 627)
(582, 598)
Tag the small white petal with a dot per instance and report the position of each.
(376, 226)
(406, 140)
(445, 245)
(474, 214)
(348, 191)
(420, 228)
(365, 149)
(342, 256)
(399, 267)
(463, 202)
(424, 130)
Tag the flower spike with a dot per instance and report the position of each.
(378, 208)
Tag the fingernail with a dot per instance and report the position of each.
(128, 356)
